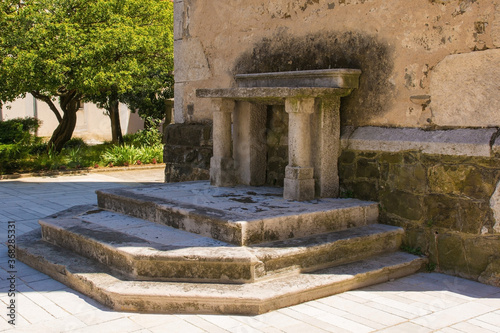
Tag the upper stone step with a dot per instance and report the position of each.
(240, 215)
(149, 251)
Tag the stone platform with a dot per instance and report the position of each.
(139, 263)
(240, 215)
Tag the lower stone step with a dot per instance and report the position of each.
(148, 251)
(240, 215)
(119, 293)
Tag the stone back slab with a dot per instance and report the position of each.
(239, 215)
(331, 78)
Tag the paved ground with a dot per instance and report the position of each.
(426, 302)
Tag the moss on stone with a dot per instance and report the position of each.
(364, 190)
(367, 169)
(403, 204)
(463, 180)
(391, 158)
(347, 157)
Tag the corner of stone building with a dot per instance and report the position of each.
(187, 151)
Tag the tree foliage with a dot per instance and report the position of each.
(64, 51)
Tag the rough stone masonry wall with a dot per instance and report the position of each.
(441, 186)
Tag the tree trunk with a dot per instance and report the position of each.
(64, 131)
(114, 115)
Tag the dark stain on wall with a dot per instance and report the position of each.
(285, 52)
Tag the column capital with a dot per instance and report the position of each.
(299, 105)
(223, 105)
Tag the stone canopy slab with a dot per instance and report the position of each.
(271, 95)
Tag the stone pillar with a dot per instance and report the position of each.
(249, 143)
(326, 143)
(222, 164)
(299, 174)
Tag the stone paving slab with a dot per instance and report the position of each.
(428, 292)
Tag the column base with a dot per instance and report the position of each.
(299, 184)
(222, 172)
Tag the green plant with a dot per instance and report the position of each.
(129, 154)
(347, 194)
(38, 148)
(121, 155)
(430, 267)
(75, 143)
(18, 130)
(416, 251)
(149, 136)
(74, 156)
(12, 156)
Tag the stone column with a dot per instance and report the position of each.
(326, 143)
(222, 164)
(249, 143)
(299, 174)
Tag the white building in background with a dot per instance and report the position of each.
(92, 125)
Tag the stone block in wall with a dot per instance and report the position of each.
(462, 180)
(468, 256)
(189, 134)
(366, 168)
(408, 177)
(179, 115)
(179, 19)
(190, 61)
(458, 214)
(406, 205)
(491, 275)
(464, 90)
(362, 189)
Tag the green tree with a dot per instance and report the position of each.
(66, 51)
(150, 101)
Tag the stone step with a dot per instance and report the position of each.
(120, 293)
(240, 215)
(144, 250)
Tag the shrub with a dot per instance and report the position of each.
(75, 143)
(18, 130)
(148, 136)
(12, 156)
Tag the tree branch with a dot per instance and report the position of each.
(49, 102)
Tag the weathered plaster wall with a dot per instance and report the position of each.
(400, 45)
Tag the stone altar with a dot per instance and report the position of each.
(312, 101)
